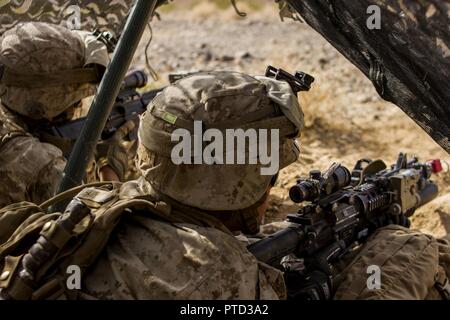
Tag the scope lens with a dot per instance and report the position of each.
(341, 177)
(303, 191)
(296, 194)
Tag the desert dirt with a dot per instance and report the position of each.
(346, 120)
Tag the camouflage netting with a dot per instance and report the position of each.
(106, 14)
(408, 59)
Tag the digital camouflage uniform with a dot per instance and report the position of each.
(30, 55)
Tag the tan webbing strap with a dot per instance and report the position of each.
(42, 80)
(34, 224)
(10, 266)
(55, 234)
(72, 193)
(85, 252)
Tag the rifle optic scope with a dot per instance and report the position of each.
(136, 79)
(310, 189)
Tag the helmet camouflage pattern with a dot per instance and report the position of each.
(220, 100)
(46, 68)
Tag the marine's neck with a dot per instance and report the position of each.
(237, 220)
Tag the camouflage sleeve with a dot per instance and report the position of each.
(148, 259)
(30, 170)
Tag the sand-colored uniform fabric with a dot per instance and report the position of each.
(150, 259)
(409, 261)
(29, 169)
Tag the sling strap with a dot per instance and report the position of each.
(11, 78)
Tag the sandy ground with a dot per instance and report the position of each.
(345, 118)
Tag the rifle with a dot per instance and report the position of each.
(128, 106)
(343, 209)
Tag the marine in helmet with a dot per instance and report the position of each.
(45, 72)
(175, 232)
(189, 249)
(196, 255)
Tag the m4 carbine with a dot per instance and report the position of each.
(129, 105)
(343, 209)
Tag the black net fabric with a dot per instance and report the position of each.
(407, 60)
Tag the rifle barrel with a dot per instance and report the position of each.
(271, 249)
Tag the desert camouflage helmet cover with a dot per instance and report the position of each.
(46, 68)
(106, 15)
(221, 100)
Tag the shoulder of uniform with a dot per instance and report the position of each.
(10, 125)
(97, 196)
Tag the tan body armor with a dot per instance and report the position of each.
(130, 246)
